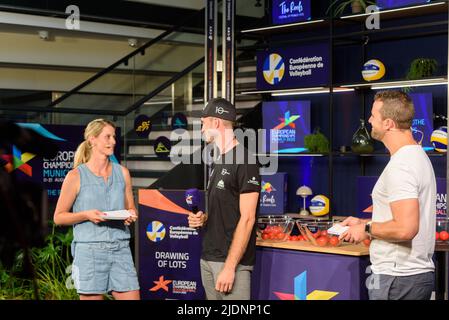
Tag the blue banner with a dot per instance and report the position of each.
(387, 4)
(273, 196)
(51, 172)
(365, 187)
(293, 67)
(286, 124)
(290, 11)
(169, 251)
(422, 126)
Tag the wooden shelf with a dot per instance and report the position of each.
(344, 249)
(442, 247)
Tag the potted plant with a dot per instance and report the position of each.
(357, 6)
(316, 142)
(422, 68)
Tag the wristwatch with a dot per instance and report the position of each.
(368, 228)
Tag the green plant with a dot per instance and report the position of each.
(316, 142)
(340, 8)
(421, 68)
(51, 264)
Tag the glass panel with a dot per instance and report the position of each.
(121, 87)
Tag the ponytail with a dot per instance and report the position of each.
(84, 150)
(82, 154)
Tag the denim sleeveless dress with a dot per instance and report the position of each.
(102, 257)
(96, 193)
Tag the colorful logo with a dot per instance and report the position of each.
(300, 291)
(156, 231)
(267, 187)
(20, 161)
(273, 68)
(287, 121)
(161, 284)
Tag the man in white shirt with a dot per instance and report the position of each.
(403, 221)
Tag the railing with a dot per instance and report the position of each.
(131, 78)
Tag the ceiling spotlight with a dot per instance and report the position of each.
(132, 42)
(43, 34)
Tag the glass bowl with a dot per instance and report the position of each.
(274, 228)
(318, 230)
(442, 230)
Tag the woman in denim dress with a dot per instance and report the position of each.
(102, 258)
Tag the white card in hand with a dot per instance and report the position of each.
(117, 215)
(337, 229)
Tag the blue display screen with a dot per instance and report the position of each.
(290, 11)
(286, 124)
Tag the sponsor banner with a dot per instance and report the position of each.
(386, 4)
(365, 187)
(169, 251)
(273, 196)
(290, 11)
(51, 172)
(281, 274)
(422, 125)
(441, 198)
(293, 67)
(287, 123)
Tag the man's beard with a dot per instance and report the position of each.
(207, 138)
(376, 135)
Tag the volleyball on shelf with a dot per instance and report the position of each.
(319, 205)
(439, 139)
(373, 70)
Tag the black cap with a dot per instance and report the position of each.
(219, 108)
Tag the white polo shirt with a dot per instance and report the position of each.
(408, 175)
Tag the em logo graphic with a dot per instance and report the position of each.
(273, 68)
(156, 231)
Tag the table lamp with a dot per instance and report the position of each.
(304, 191)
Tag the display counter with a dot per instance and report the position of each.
(301, 271)
(344, 249)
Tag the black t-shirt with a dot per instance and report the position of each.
(234, 173)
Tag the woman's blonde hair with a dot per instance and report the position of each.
(84, 150)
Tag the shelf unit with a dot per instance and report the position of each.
(338, 35)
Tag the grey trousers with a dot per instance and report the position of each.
(415, 287)
(241, 290)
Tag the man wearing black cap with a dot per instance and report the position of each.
(229, 240)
